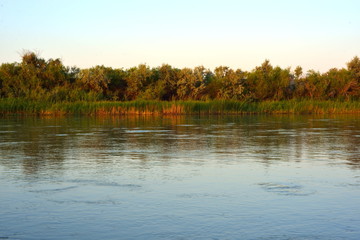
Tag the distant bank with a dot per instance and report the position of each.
(48, 80)
(47, 87)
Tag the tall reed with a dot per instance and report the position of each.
(221, 107)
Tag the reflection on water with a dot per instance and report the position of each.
(232, 177)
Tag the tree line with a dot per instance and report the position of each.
(35, 78)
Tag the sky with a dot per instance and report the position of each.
(314, 34)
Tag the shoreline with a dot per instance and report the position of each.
(229, 107)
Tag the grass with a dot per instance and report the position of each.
(21, 106)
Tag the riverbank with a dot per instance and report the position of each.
(229, 107)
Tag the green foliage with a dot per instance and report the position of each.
(94, 79)
(137, 79)
(191, 84)
(354, 67)
(140, 107)
(269, 83)
(298, 72)
(230, 83)
(341, 84)
(37, 79)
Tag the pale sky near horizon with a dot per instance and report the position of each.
(314, 34)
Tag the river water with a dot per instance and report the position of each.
(232, 177)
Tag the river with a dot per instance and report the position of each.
(186, 177)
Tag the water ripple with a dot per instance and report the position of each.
(53, 190)
(87, 202)
(287, 189)
(201, 195)
(106, 184)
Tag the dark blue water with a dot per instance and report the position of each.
(244, 177)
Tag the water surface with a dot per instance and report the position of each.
(235, 177)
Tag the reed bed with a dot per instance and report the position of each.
(229, 107)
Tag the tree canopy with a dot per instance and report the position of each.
(35, 78)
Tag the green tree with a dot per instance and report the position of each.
(341, 84)
(94, 79)
(268, 83)
(167, 81)
(32, 68)
(230, 83)
(36, 78)
(298, 72)
(117, 85)
(191, 83)
(11, 84)
(315, 85)
(137, 79)
(354, 67)
(54, 74)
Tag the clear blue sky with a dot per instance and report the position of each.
(187, 33)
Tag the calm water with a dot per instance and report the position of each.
(244, 177)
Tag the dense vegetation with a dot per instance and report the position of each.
(36, 80)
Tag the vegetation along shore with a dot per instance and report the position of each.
(39, 86)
